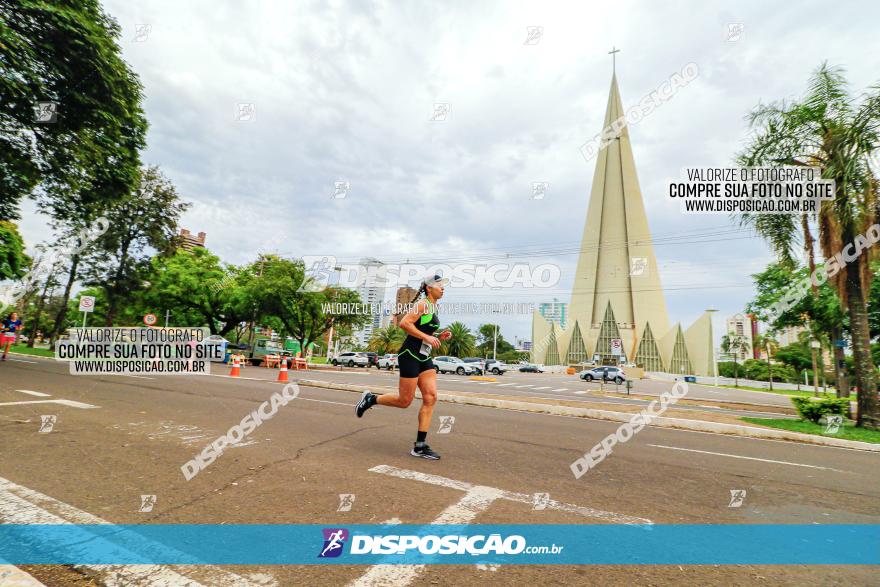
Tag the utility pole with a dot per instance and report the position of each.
(769, 366)
(495, 342)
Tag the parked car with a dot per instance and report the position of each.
(453, 365)
(373, 358)
(350, 359)
(387, 362)
(477, 363)
(496, 367)
(531, 368)
(614, 374)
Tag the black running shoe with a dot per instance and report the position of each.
(424, 452)
(367, 401)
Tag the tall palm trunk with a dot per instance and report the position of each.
(62, 312)
(866, 377)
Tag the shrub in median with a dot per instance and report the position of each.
(814, 410)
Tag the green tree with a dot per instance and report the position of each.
(486, 341)
(276, 290)
(386, 340)
(738, 346)
(198, 290)
(13, 260)
(143, 223)
(827, 129)
(65, 52)
(462, 342)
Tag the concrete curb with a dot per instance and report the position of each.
(660, 422)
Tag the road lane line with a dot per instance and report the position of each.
(21, 505)
(560, 389)
(63, 402)
(520, 497)
(537, 388)
(36, 393)
(505, 384)
(475, 501)
(22, 361)
(721, 454)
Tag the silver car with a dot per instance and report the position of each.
(453, 365)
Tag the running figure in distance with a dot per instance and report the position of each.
(414, 363)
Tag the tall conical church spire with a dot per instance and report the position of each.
(617, 265)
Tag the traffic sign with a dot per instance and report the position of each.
(150, 319)
(616, 347)
(87, 304)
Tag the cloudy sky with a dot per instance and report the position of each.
(345, 91)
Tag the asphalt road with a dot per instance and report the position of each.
(98, 461)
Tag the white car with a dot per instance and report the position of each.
(453, 365)
(351, 359)
(387, 362)
(496, 367)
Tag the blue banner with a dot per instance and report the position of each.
(286, 544)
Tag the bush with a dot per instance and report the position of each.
(814, 410)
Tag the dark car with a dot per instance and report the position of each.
(614, 374)
(531, 369)
(373, 360)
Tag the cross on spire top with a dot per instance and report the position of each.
(613, 53)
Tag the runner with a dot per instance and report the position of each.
(10, 325)
(415, 364)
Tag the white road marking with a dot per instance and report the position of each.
(721, 454)
(485, 383)
(63, 402)
(20, 505)
(127, 375)
(22, 361)
(547, 387)
(505, 384)
(561, 389)
(12, 576)
(36, 393)
(324, 401)
(581, 392)
(519, 386)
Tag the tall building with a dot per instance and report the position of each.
(618, 312)
(372, 293)
(554, 312)
(745, 326)
(189, 242)
(403, 298)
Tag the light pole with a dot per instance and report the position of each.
(711, 311)
(330, 336)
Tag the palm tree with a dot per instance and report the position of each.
(828, 130)
(462, 343)
(386, 340)
(736, 345)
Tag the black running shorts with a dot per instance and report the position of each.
(410, 366)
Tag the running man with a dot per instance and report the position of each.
(415, 364)
(10, 325)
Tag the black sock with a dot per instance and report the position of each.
(421, 436)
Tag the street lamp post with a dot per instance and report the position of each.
(711, 311)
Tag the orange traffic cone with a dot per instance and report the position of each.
(236, 368)
(282, 370)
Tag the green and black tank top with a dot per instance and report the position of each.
(426, 323)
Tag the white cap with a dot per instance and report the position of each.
(434, 279)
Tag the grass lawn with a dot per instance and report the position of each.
(847, 432)
(23, 349)
(802, 393)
